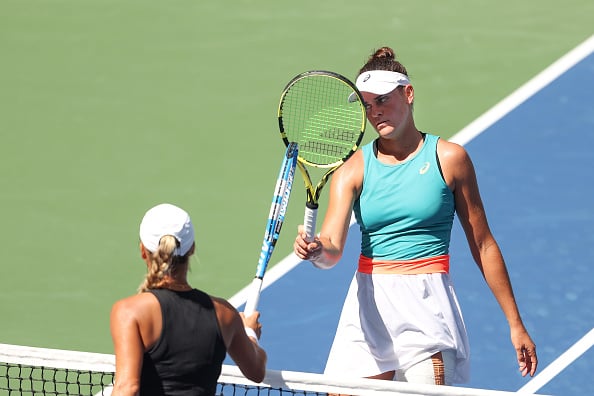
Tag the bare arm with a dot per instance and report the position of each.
(243, 349)
(327, 248)
(460, 175)
(128, 344)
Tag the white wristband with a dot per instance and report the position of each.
(251, 333)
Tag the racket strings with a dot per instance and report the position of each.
(318, 115)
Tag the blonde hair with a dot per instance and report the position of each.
(163, 262)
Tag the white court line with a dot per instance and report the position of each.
(523, 93)
(272, 275)
(559, 364)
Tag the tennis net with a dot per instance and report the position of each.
(32, 371)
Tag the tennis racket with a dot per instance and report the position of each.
(324, 113)
(276, 217)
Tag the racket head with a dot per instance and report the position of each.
(324, 113)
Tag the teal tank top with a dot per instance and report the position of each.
(405, 211)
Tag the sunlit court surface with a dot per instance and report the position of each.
(112, 106)
(533, 157)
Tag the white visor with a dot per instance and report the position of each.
(379, 82)
(167, 219)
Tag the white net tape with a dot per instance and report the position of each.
(30, 371)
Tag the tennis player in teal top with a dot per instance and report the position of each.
(401, 319)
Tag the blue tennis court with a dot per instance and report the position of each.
(532, 155)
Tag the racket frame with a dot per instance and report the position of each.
(276, 217)
(313, 192)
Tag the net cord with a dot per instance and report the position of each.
(341, 385)
(57, 358)
(274, 379)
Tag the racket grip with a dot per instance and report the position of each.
(309, 222)
(254, 297)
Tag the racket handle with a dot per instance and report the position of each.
(254, 297)
(309, 222)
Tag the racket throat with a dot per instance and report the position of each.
(311, 205)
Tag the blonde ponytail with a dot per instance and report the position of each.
(163, 262)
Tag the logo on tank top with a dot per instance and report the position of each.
(425, 168)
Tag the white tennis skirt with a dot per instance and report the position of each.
(391, 322)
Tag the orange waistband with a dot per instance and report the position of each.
(405, 267)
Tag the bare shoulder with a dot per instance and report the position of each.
(222, 303)
(225, 311)
(352, 170)
(356, 160)
(228, 317)
(451, 152)
(455, 163)
(132, 307)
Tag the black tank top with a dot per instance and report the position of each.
(186, 359)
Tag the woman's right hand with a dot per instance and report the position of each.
(252, 322)
(306, 250)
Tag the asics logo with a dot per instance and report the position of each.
(425, 168)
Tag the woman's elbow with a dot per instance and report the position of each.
(257, 370)
(258, 375)
(255, 373)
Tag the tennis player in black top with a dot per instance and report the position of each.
(171, 339)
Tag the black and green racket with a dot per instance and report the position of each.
(324, 113)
